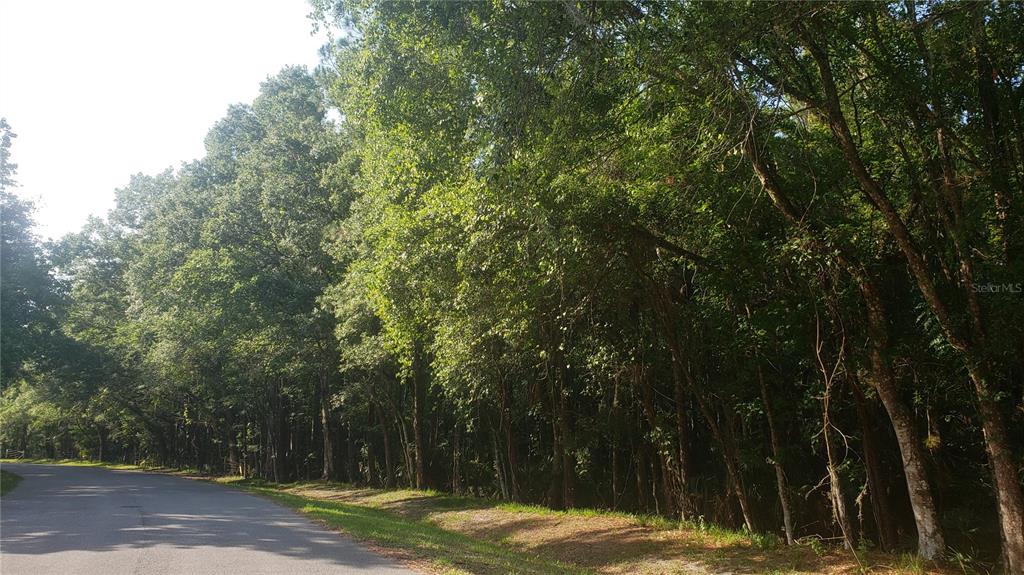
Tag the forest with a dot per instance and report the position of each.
(755, 263)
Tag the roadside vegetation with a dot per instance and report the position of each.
(476, 535)
(752, 267)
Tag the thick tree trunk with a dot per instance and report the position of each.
(1004, 473)
(931, 543)
(556, 493)
(670, 474)
(350, 454)
(677, 462)
(281, 467)
(682, 449)
(839, 511)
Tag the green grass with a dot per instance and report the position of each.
(653, 521)
(451, 551)
(711, 532)
(8, 481)
(910, 564)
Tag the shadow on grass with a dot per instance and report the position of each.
(386, 529)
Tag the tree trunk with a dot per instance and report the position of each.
(102, 434)
(873, 471)
(616, 433)
(839, 511)
(565, 424)
(419, 384)
(499, 471)
(325, 426)
(780, 475)
(389, 466)
(233, 458)
(641, 478)
(505, 419)
(456, 463)
(556, 492)
(350, 454)
(1004, 474)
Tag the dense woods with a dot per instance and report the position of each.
(753, 264)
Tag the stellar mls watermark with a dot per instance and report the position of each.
(998, 288)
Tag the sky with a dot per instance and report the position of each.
(98, 91)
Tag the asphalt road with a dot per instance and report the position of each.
(92, 521)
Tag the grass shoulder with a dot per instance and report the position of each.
(414, 539)
(479, 535)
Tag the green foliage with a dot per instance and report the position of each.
(599, 255)
(28, 296)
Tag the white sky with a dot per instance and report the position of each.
(98, 91)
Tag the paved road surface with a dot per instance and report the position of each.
(91, 521)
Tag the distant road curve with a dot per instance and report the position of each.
(91, 521)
